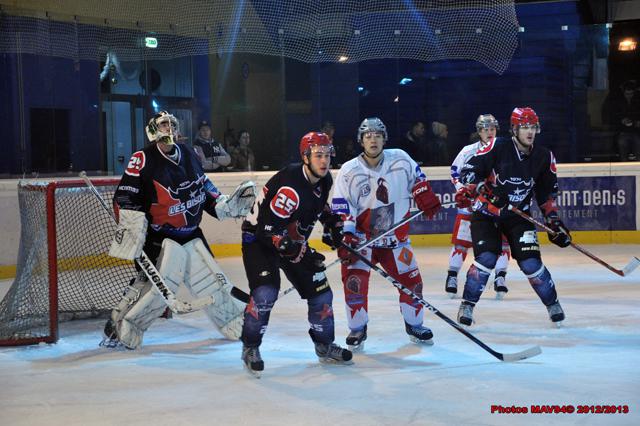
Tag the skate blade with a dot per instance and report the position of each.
(356, 348)
(558, 324)
(452, 295)
(414, 339)
(331, 361)
(500, 295)
(254, 373)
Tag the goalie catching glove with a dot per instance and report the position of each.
(130, 235)
(237, 204)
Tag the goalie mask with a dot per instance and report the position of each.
(316, 142)
(163, 127)
(524, 117)
(486, 121)
(373, 124)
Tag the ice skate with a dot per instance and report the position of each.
(465, 313)
(451, 284)
(419, 334)
(499, 285)
(252, 360)
(110, 339)
(556, 314)
(333, 354)
(356, 338)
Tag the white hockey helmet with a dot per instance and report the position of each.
(155, 134)
(372, 124)
(485, 121)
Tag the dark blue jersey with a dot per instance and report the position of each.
(514, 177)
(288, 205)
(172, 190)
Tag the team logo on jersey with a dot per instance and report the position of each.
(173, 206)
(365, 190)
(405, 256)
(552, 165)
(485, 148)
(136, 163)
(382, 193)
(517, 188)
(285, 202)
(529, 237)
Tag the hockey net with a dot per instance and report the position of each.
(63, 270)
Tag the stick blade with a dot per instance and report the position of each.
(519, 356)
(633, 264)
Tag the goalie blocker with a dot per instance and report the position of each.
(190, 264)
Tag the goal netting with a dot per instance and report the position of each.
(63, 270)
(307, 30)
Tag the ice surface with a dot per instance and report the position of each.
(187, 375)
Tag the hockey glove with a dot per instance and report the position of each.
(562, 237)
(332, 231)
(465, 196)
(426, 199)
(345, 255)
(130, 235)
(291, 250)
(486, 201)
(313, 260)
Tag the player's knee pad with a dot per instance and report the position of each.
(204, 278)
(478, 275)
(356, 290)
(320, 315)
(540, 279)
(256, 314)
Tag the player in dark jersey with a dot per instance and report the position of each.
(275, 237)
(162, 195)
(510, 172)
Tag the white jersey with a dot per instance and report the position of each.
(461, 159)
(374, 199)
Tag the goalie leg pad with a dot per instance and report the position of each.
(142, 304)
(205, 278)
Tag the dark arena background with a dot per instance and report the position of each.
(80, 79)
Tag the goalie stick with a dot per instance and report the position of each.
(149, 269)
(633, 263)
(508, 357)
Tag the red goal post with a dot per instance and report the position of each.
(63, 269)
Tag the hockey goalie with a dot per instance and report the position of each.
(160, 200)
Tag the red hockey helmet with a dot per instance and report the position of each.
(525, 116)
(316, 142)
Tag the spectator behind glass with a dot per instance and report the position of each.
(345, 151)
(242, 155)
(413, 143)
(212, 155)
(328, 129)
(437, 147)
(626, 118)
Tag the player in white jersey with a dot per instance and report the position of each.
(373, 191)
(487, 127)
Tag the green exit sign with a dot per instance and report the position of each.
(151, 42)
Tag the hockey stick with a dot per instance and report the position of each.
(517, 356)
(149, 269)
(633, 263)
(365, 244)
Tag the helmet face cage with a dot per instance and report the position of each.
(155, 134)
(316, 142)
(486, 121)
(524, 118)
(373, 124)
